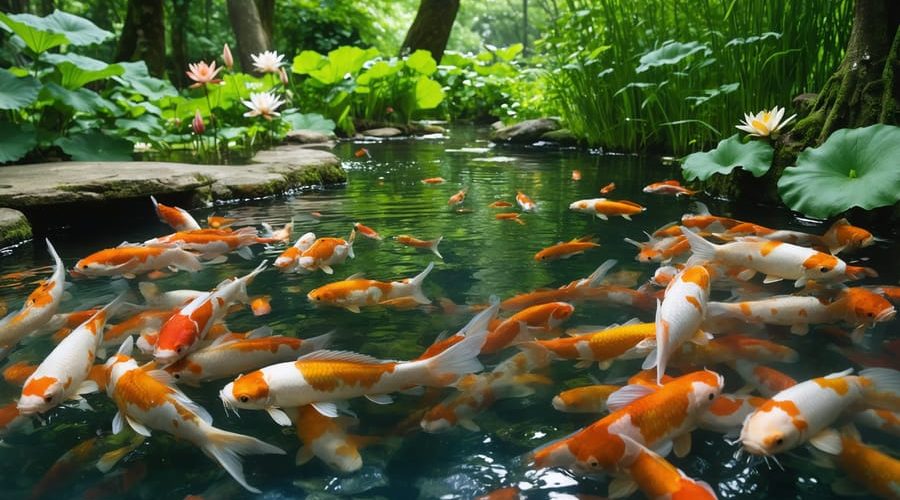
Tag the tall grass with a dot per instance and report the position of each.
(677, 75)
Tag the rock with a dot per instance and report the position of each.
(497, 125)
(14, 227)
(383, 132)
(563, 137)
(307, 137)
(525, 132)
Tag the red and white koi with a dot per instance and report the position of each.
(39, 307)
(525, 203)
(669, 187)
(351, 294)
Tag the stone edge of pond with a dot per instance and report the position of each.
(14, 227)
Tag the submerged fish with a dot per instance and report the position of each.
(353, 293)
(39, 307)
(604, 209)
(564, 250)
(428, 245)
(178, 218)
(668, 187)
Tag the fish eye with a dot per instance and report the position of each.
(824, 269)
(245, 399)
(179, 349)
(779, 441)
(177, 375)
(593, 463)
(48, 399)
(712, 396)
(870, 314)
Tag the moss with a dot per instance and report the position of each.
(116, 189)
(14, 233)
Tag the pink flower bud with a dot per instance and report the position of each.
(227, 57)
(197, 123)
(283, 75)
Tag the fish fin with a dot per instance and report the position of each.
(469, 425)
(650, 360)
(81, 403)
(582, 364)
(702, 249)
(192, 406)
(346, 356)
(416, 285)
(858, 335)
(626, 216)
(600, 273)
(326, 268)
(162, 377)
(516, 390)
(316, 343)
(129, 276)
(882, 380)
(279, 416)
(664, 448)
(644, 345)
(800, 283)
(326, 408)
(257, 333)
(800, 328)
(118, 423)
(219, 259)
(602, 216)
(682, 445)
(353, 308)
(460, 359)
(356, 276)
(245, 253)
(87, 387)
(127, 346)
(380, 399)
(701, 338)
(746, 275)
(604, 365)
(627, 395)
(413, 391)
(827, 440)
(226, 448)
(621, 487)
(745, 390)
(304, 454)
(137, 426)
(434, 247)
(771, 279)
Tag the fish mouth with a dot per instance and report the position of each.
(886, 315)
(754, 448)
(166, 357)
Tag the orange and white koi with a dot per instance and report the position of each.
(564, 250)
(367, 231)
(651, 417)
(655, 477)
(38, 309)
(66, 322)
(429, 245)
(783, 235)
(261, 305)
(457, 198)
(325, 253)
(480, 322)
(218, 222)
(353, 293)
(662, 250)
(679, 316)
(525, 203)
(730, 348)
(523, 325)
(775, 259)
(359, 153)
(565, 293)
(178, 218)
(877, 472)
(211, 243)
(764, 379)
(609, 188)
(323, 377)
(287, 261)
(844, 236)
(132, 260)
(281, 236)
(63, 374)
(180, 334)
(727, 413)
(669, 187)
(147, 400)
(434, 180)
(585, 399)
(704, 221)
(604, 209)
(147, 321)
(328, 439)
(500, 204)
(628, 341)
(805, 411)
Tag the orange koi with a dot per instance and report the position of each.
(627, 341)
(576, 175)
(178, 218)
(609, 188)
(367, 231)
(523, 325)
(669, 187)
(434, 180)
(359, 153)
(565, 250)
(429, 245)
(525, 203)
(355, 292)
(217, 222)
(586, 399)
(39, 308)
(261, 305)
(513, 216)
(500, 204)
(656, 477)
(129, 261)
(604, 209)
(457, 198)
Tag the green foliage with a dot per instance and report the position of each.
(33, 31)
(15, 141)
(16, 92)
(853, 168)
(76, 71)
(309, 121)
(95, 146)
(753, 156)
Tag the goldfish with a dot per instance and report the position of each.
(180, 334)
(662, 250)
(542, 317)
(147, 400)
(500, 204)
(281, 236)
(38, 309)
(227, 356)
(865, 466)
(178, 218)
(609, 188)
(775, 259)
(288, 260)
(565, 250)
(327, 439)
(729, 348)
(585, 399)
(211, 243)
(844, 236)
(669, 187)
(727, 412)
(149, 320)
(679, 316)
(766, 380)
(63, 374)
(513, 216)
(326, 252)
(434, 180)
(367, 231)
(131, 260)
(629, 340)
(704, 221)
(804, 411)
(323, 377)
(359, 153)
(261, 305)
(655, 476)
(576, 175)
(217, 222)
(457, 198)
(653, 418)
(429, 245)
(355, 292)
(604, 209)
(525, 203)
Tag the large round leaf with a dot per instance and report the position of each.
(853, 168)
(78, 30)
(754, 157)
(136, 76)
(96, 146)
(16, 141)
(309, 121)
(81, 100)
(428, 93)
(422, 62)
(77, 71)
(34, 31)
(15, 92)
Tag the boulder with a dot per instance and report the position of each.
(563, 137)
(14, 227)
(526, 132)
(307, 137)
(383, 132)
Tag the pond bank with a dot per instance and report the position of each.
(61, 193)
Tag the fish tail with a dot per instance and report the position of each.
(56, 259)
(600, 273)
(226, 448)
(318, 342)
(350, 241)
(416, 285)
(242, 294)
(702, 249)
(188, 261)
(267, 230)
(434, 247)
(883, 388)
(460, 359)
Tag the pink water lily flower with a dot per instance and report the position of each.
(764, 123)
(203, 73)
(227, 57)
(197, 123)
(263, 104)
(268, 61)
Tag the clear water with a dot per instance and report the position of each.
(482, 256)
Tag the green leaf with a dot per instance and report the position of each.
(16, 93)
(853, 168)
(81, 100)
(428, 93)
(136, 76)
(78, 30)
(309, 121)
(96, 146)
(378, 70)
(341, 62)
(670, 53)
(509, 53)
(33, 30)
(307, 61)
(421, 62)
(451, 58)
(146, 124)
(754, 157)
(77, 71)
(16, 141)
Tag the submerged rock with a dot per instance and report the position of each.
(383, 132)
(525, 132)
(307, 137)
(14, 227)
(563, 137)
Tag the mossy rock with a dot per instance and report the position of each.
(14, 227)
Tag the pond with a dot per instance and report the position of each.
(482, 256)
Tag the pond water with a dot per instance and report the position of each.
(482, 257)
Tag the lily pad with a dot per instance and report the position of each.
(96, 146)
(309, 121)
(16, 141)
(422, 62)
(428, 93)
(77, 71)
(16, 93)
(853, 168)
(754, 157)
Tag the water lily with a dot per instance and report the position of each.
(203, 73)
(263, 104)
(268, 61)
(282, 74)
(227, 57)
(764, 123)
(197, 123)
(142, 147)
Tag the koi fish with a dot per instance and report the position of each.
(180, 334)
(227, 357)
(367, 231)
(604, 209)
(287, 261)
(353, 293)
(434, 180)
(156, 298)
(150, 320)
(525, 203)
(324, 377)
(178, 218)
(705, 221)
(217, 222)
(766, 380)
(430, 245)
(783, 235)
(63, 374)
(211, 243)
(38, 309)
(627, 341)
(609, 188)
(775, 259)
(17, 373)
(565, 293)
(328, 439)
(131, 260)
(805, 411)
(457, 198)
(727, 413)
(655, 477)
(147, 400)
(844, 236)
(565, 250)
(651, 417)
(882, 420)
(10, 419)
(282, 236)
(261, 305)
(669, 187)
(865, 466)
(585, 399)
(679, 316)
(662, 250)
(513, 216)
(730, 348)
(523, 324)
(479, 322)
(325, 253)
(576, 175)
(500, 204)
(359, 153)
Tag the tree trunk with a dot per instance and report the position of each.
(144, 35)
(181, 10)
(431, 28)
(14, 6)
(266, 9)
(248, 30)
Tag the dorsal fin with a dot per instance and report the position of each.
(344, 356)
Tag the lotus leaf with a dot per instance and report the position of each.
(16, 141)
(77, 71)
(670, 53)
(422, 62)
(341, 62)
(428, 93)
(96, 146)
(80, 100)
(309, 121)
(754, 157)
(78, 30)
(307, 61)
(33, 30)
(136, 76)
(509, 53)
(16, 93)
(853, 168)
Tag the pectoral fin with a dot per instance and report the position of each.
(279, 416)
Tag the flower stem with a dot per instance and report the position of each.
(212, 119)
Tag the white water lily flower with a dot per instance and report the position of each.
(267, 62)
(263, 104)
(764, 123)
(142, 147)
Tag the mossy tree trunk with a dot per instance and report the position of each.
(144, 35)
(431, 28)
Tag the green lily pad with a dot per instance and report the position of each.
(15, 92)
(307, 61)
(754, 157)
(341, 62)
(853, 168)
(96, 146)
(16, 141)
(33, 30)
(309, 121)
(77, 29)
(428, 93)
(77, 71)
(670, 53)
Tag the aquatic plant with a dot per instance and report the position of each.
(753, 156)
(853, 168)
(765, 123)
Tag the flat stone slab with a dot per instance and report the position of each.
(525, 132)
(14, 227)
